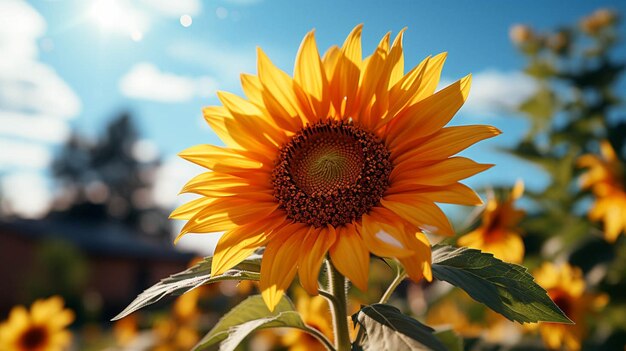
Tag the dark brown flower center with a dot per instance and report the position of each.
(331, 173)
(34, 338)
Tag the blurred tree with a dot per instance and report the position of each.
(573, 110)
(111, 179)
(569, 113)
(574, 123)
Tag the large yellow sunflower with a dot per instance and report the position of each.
(566, 287)
(606, 178)
(348, 158)
(499, 232)
(41, 329)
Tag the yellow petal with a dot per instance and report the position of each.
(371, 77)
(382, 233)
(227, 213)
(216, 117)
(330, 59)
(18, 318)
(311, 76)
(61, 319)
(252, 87)
(216, 184)
(424, 215)
(513, 247)
(613, 219)
(350, 256)
(416, 85)
(426, 86)
(396, 59)
(221, 159)
(393, 70)
(345, 80)
(607, 151)
(447, 142)
(314, 249)
(455, 193)
(427, 116)
(248, 126)
(400, 94)
(518, 190)
(448, 171)
(280, 263)
(238, 244)
(418, 265)
(60, 340)
(473, 239)
(279, 94)
(188, 210)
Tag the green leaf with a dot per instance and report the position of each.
(451, 340)
(504, 287)
(191, 278)
(388, 329)
(248, 316)
(540, 108)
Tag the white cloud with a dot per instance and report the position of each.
(20, 26)
(146, 81)
(173, 174)
(27, 194)
(175, 8)
(30, 126)
(35, 106)
(495, 92)
(20, 154)
(36, 88)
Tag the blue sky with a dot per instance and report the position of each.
(96, 61)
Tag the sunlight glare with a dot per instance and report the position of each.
(118, 17)
(186, 20)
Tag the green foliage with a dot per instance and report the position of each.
(388, 329)
(191, 278)
(451, 340)
(504, 287)
(58, 268)
(540, 107)
(248, 316)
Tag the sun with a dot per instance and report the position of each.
(114, 16)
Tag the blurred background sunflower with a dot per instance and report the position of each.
(97, 97)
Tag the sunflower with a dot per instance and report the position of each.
(499, 232)
(346, 158)
(315, 313)
(179, 330)
(126, 330)
(41, 329)
(469, 319)
(606, 180)
(566, 287)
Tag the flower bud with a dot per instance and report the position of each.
(521, 34)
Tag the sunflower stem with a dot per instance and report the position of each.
(400, 276)
(338, 289)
